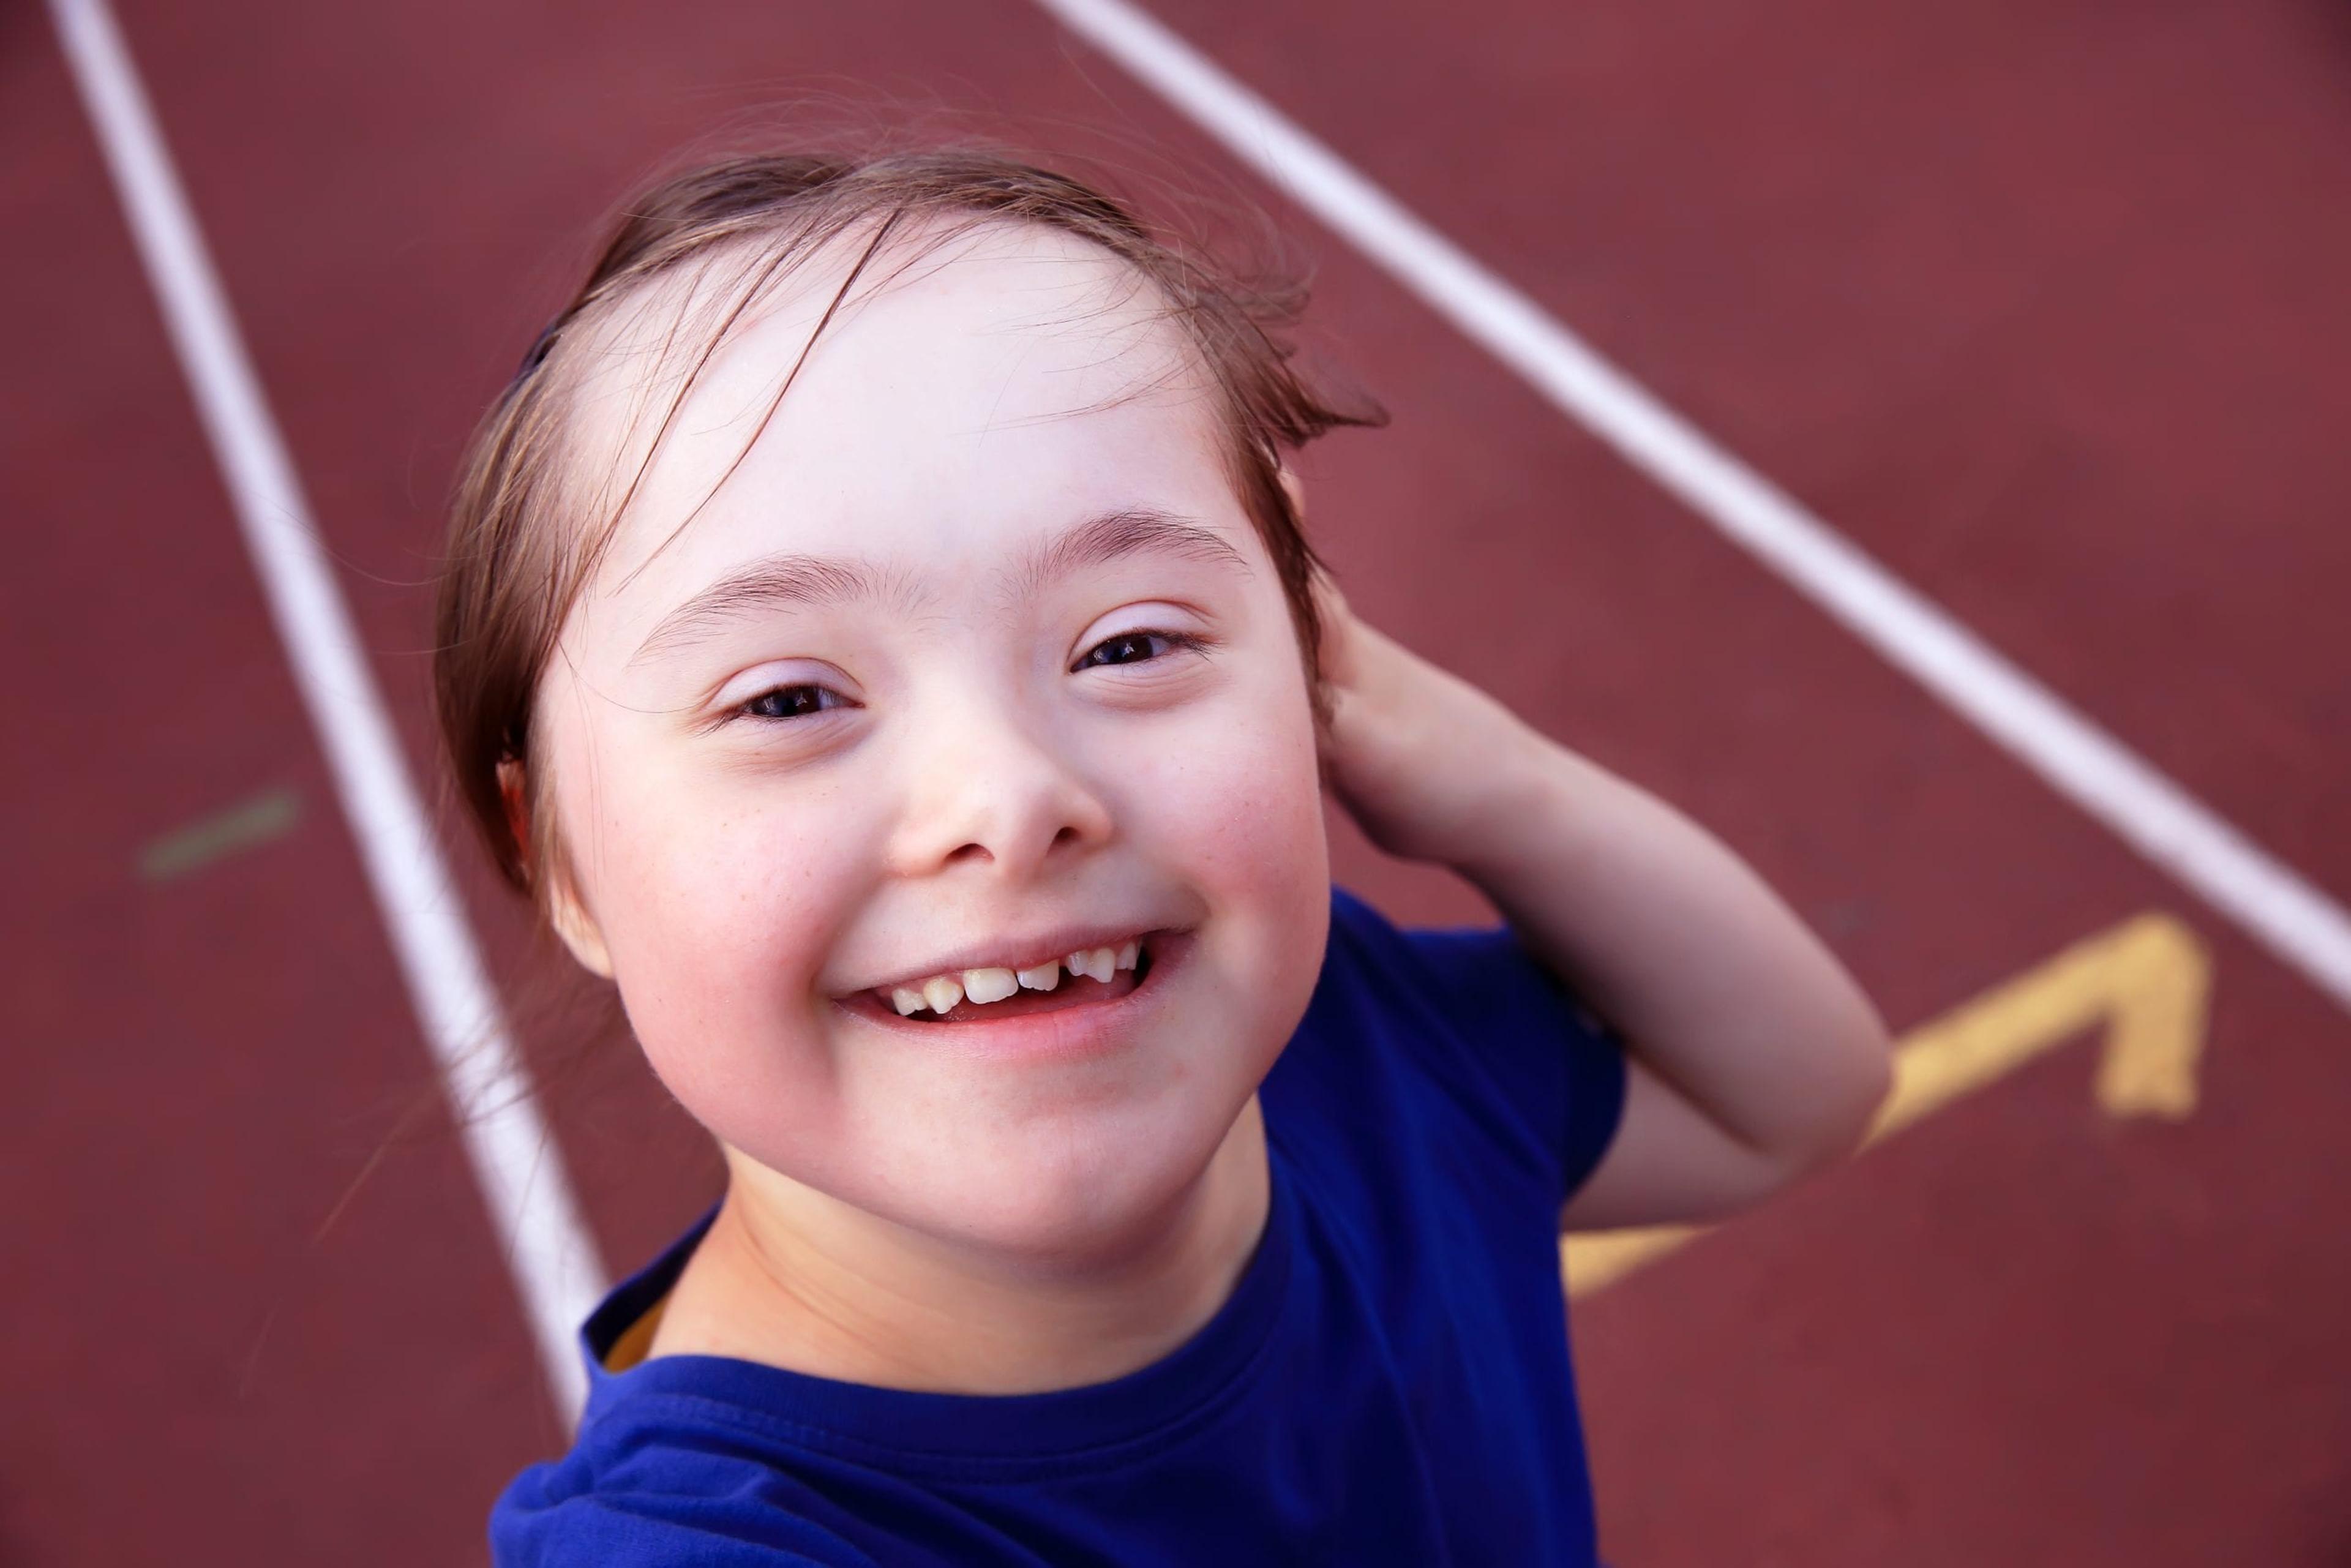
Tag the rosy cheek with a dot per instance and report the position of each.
(1239, 805)
(724, 923)
(1253, 785)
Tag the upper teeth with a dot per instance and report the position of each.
(940, 993)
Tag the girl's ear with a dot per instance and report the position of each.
(510, 791)
(1297, 492)
(565, 911)
(576, 927)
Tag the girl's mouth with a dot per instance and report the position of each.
(1087, 977)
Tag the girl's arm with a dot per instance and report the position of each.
(1754, 1056)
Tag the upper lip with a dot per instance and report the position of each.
(1017, 952)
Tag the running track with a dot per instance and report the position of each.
(2041, 305)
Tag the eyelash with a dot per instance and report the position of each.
(1174, 641)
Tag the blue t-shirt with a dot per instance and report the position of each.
(1389, 1381)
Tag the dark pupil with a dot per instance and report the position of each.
(790, 703)
(1128, 649)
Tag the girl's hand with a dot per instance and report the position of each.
(1426, 763)
(1755, 1057)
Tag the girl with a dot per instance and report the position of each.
(879, 637)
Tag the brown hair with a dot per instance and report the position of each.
(518, 554)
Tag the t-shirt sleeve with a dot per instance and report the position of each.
(662, 1507)
(1523, 1053)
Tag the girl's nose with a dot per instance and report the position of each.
(984, 791)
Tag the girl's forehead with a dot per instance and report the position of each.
(961, 398)
(958, 406)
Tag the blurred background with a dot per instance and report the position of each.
(2040, 306)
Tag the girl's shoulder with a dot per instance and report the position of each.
(1457, 1034)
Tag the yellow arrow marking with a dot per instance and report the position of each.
(2146, 980)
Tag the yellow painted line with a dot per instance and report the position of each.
(2146, 982)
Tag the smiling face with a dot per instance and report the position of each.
(974, 664)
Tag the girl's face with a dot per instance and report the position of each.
(974, 664)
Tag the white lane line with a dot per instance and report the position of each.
(2275, 905)
(548, 1246)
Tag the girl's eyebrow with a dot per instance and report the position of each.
(788, 580)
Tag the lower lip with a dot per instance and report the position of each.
(1090, 1029)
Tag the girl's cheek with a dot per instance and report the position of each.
(1248, 775)
(729, 915)
(1238, 805)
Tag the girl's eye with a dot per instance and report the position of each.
(1134, 648)
(791, 702)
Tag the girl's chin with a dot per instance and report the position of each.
(1086, 1188)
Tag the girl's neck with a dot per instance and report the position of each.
(792, 1279)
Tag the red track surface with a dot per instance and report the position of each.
(2042, 304)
